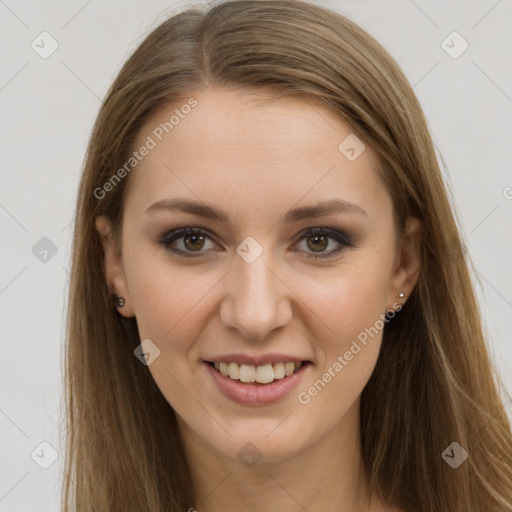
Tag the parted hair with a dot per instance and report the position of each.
(434, 382)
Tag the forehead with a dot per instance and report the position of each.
(254, 153)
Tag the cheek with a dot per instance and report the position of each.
(169, 300)
(351, 304)
(348, 350)
(170, 304)
(163, 309)
(349, 299)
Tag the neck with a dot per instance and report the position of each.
(326, 476)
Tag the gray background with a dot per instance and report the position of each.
(48, 107)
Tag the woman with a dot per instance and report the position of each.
(293, 324)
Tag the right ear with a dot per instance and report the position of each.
(114, 271)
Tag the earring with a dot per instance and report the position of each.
(119, 302)
(401, 295)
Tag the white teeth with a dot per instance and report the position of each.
(224, 369)
(288, 368)
(234, 371)
(279, 372)
(247, 373)
(263, 374)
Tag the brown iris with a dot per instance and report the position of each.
(320, 242)
(196, 239)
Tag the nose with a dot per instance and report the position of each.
(257, 300)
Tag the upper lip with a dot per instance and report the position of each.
(256, 360)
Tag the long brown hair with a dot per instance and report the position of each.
(434, 383)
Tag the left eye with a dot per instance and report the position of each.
(318, 239)
(193, 241)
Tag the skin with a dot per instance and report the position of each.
(256, 159)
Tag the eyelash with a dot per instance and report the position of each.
(176, 234)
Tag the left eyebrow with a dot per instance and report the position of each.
(294, 215)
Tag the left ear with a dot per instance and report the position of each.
(408, 262)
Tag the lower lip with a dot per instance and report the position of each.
(257, 394)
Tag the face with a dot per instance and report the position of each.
(272, 280)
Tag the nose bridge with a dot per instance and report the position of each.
(256, 302)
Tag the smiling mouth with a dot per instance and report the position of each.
(264, 374)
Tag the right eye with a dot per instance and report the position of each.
(192, 239)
